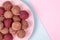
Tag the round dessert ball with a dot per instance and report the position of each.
(15, 10)
(24, 14)
(1, 36)
(4, 31)
(16, 25)
(7, 5)
(16, 18)
(1, 11)
(8, 37)
(8, 23)
(8, 14)
(13, 32)
(2, 18)
(24, 24)
(1, 25)
(21, 33)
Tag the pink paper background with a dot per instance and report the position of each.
(49, 13)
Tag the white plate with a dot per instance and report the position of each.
(30, 19)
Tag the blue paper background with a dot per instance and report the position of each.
(39, 30)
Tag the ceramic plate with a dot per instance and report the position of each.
(30, 20)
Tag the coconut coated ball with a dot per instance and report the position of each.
(7, 5)
(7, 23)
(16, 18)
(16, 25)
(8, 37)
(1, 18)
(24, 24)
(1, 11)
(8, 14)
(21, 33)
(4, 31)
(24, 14)
(13, 32)
(15, 10)
(1, 25)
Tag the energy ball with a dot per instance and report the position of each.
(1, 18)
(15, 10)
(16, 18)
(16, 25)
(1, 25)
(7, 5)
(21, 33)
(8, 14)
(4, 31)
(13, 32)
(8, 37)
(1, 36)
(24, 14)
(7, 23)
(24, 24)
(1, 11)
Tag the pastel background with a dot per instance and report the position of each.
(40, 32)
(49, 14)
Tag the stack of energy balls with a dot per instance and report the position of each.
(12, 21)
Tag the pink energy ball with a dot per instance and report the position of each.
(7, 23)
(8, 37)
(1, 11)
(24, 14)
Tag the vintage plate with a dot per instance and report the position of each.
(30, 19)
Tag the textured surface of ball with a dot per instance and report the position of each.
(1, 25)
(8, 14)
(8, 37)
(1, 36)
(21, 33)
(24, 24)
(24, 14)
(16, 25)
(7, 5)
(16, 18)
(15, 10)
(4, 31)
(2, 18)
(1, 11)
(7, 23)
(13, 32)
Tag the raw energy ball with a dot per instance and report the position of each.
(24, 24)
(1, 25)
(8, 37)
(16, 18)
(13, 32)
(24, 14)
(1, 18)
(4, 31)
(15, 10)
(7, 23)
(1, 11)
(1, 36)
(7, 5)
(12, 21)
(16, 25)
(21, 33)
(8, 14)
